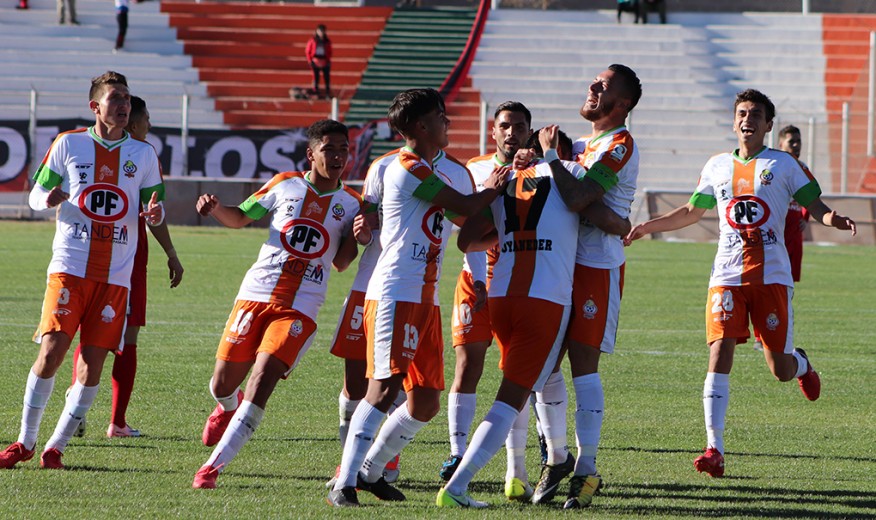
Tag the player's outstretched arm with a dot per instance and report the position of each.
(822, 213)
(477, 234)
(228, 216)
(576, 193)
(162, 235)
(468, 205)
(678, 218)
(606, 219)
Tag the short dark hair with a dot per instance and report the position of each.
(755, 96)
(322, 128)
(107, 78)
(631, 86)
(410, 105)
(138, 106)
(789, 129)
(564, 144)
(514, 106)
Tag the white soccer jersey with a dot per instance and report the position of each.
(536, 237)
(413, 232)
(753, 198)
(307, 226)
(96, 228)
(480, 168)
(612, 160)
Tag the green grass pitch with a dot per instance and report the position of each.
(787, 457)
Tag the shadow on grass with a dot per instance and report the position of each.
(104, 469)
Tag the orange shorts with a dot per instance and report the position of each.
(255, 327)
(469, 326)
(596, 299)
(96, 308)
(349, 341)
(529, 332)
(405, 338)
(769, 306)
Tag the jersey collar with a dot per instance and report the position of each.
(109, 145)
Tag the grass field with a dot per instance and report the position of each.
(787, 457)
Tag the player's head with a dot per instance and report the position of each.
(418, 114)
(612, 94)
(512, 124)
(110, 100)
(138, 120)
(753, 114)
(790, 140)
(564, 147)
(320, 31)
(328, 148)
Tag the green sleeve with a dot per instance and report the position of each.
(702, 200)
(429, 187)
(46, 178)
(369, 207)
(449, 215)
(252, 209)
(603, 175)
(807, 194)
(146, 193)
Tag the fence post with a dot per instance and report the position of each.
(482, 132)
(871, 94)
(32, 135)
(844, 165)
(184, 135)
(810, 148)
(805, 6)
(335, 110)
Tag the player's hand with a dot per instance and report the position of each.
(206, 204)
(56, 196)
(522, 158)
(176, 271)
(843, 222)
(362, 229)
(154, 213)
(549, 137)
(480, 290)
(635, 234)
(497, 179)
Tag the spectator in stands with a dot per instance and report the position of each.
(319, 56)
(652, 5)
(628, 6)
(122, 20)
(71, 7)
(22, 4)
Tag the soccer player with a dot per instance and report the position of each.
(273, 321)
(125, 362)
(611, 159)
(97, 177)
(472, 333)
(402, 316)
(751, 276)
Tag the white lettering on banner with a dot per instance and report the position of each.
(16, 153)
(243, 147)
(277, 152)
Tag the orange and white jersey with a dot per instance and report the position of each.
(96, 228)
(481, 167)
(752, 198)
(536, 237)
(612, 160)
(413, 232)
(306, 229)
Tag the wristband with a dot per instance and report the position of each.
(550, 155)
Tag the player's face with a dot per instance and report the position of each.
(329, 158)
(791, 143)
(113, 107)
(435, 126)
(510, 131)
(140, 125)
(602, 96)
(750, 124)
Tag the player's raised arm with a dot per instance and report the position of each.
(229, 216)
(576, 193)
(468, 205)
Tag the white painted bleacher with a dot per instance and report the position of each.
(59, 61)
(690, 69)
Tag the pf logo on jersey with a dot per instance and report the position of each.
(433, 224)
(103, 202)
(305, 238)
(747, 212)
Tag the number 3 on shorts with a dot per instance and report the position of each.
(722, 302)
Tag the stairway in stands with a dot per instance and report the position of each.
(419, 48)
(251, 56)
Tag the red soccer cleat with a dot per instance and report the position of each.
(218, 422)
(711, 462)
(51, 459)
(206, 477)
(15, 453)
(810, 383)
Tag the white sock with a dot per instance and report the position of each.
(230, 403)
(346, 407)
(36, 395)
(485, 442)
(79, 400)
(460, 415)
(366, 419)
(551, 406)
(244, 423)
(397, 432)
(534, 402)
(515, 446)
(716, 394)
(802, 364)
(590, 400)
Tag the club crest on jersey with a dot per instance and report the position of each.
(772, 321)
(433, 224)
(618, 153)
(305, 238)
(107, 314)
(297, 328)
(105, 171)
(338, 211)
(766, 177)
(747, 212)
(103, 202)
(312, 208)
(129, 168)
(590, 309)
